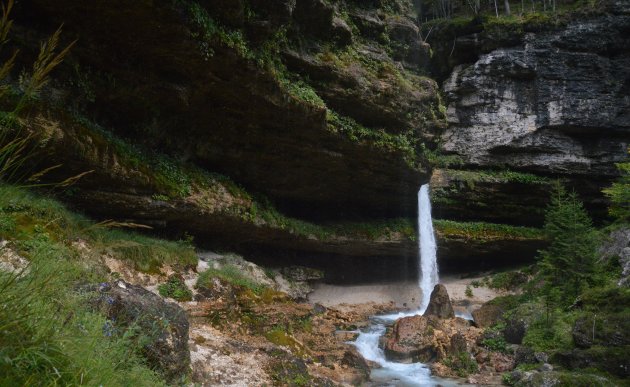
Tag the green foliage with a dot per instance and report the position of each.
(569, 263)
(231, 274)
(379, 138)
(619, 195)
(550, 330)
(462, 363)
(438, 159)
(300, 90)
(468, 292)
(48, 334)
(175, 288)
(494, 339)
(210, 30)
(24, 214)
(509, 280)
(497, 176)
(485, 231)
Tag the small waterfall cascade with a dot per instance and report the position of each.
(428, 248)
(414, 374)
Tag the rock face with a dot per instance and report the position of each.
(618, 247)
(440, 303)
(184, 89)
(164, 324)
(555, 102)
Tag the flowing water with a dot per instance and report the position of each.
(367, 343)
(428, 248)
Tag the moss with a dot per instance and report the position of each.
(485, 231)
(403, 143)
(497, 176)
(231, 274)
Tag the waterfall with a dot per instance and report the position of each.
(414, 374)
(427, 247)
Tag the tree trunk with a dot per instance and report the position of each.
(507, 7)
(496, 8)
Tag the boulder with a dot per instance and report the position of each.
(412, 339)
(515, 330)
(163, 324)
(440, 303)
(487, 315)
(524, 355)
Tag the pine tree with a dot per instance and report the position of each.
(569, 263)
(619, 195)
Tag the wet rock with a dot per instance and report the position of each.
(501, 362)
(355, 361)
(487, 315)
(412, 339)
(440, 303)
(163, 324)
(314, 16)
(458, 344)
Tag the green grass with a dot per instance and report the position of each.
(26, 215)
(48, 334)
(485, 231)
(231, 274)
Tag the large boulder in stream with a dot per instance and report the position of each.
(411, 339)
(440, 303)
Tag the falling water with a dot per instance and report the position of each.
(414, 374)
(426, 238)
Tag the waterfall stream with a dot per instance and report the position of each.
(367, 343)
(427, 246)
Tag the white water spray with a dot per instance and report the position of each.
(414, 374)
(428, 257)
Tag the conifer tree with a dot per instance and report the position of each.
(619, 195)
(569, 263)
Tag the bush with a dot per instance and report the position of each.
(175, 288)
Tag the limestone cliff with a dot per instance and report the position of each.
(552, 101)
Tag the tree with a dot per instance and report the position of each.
(619, 195)
(569, 263)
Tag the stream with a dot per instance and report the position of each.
(406, 374)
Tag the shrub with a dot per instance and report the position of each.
(175, 288)
(462, 363)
